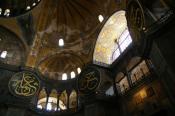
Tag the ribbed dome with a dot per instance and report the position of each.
(12, 8)
(67, 25)
(73, 20)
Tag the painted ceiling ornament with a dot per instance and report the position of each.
(13, 8)
(89, 80)
(24, 84)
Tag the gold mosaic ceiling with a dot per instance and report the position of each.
(74, 21)
(109, 35)
(64, 62)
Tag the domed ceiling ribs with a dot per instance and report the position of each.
(13, 8)
(74, 21)
(70, 16)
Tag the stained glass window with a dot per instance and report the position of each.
(113, 39)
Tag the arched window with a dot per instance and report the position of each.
(113, 39)
(52, 104)
(4, 54)
(100, 18)
(62, 106)
(52, 101)
(42, 99)
(61, 42)
(73, 100)
(63, 100)
(123, 42)
(64, 76)
(72, 74)
(79, 70)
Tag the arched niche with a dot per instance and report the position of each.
(73, 100)
(52, 101)
(12, 48)
(112, 40)
(42, 99)
(63, 100)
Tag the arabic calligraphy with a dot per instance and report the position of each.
(24, 84)
(136, 18)
(89, 81)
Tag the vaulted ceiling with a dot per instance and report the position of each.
(74, 21)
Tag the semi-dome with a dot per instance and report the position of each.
(12, 48)
(12, 8)
(61, 66)
(67, 25)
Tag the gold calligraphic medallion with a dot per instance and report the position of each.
(89, 80)
(137, 24)
(24, 84)
(136, 19)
